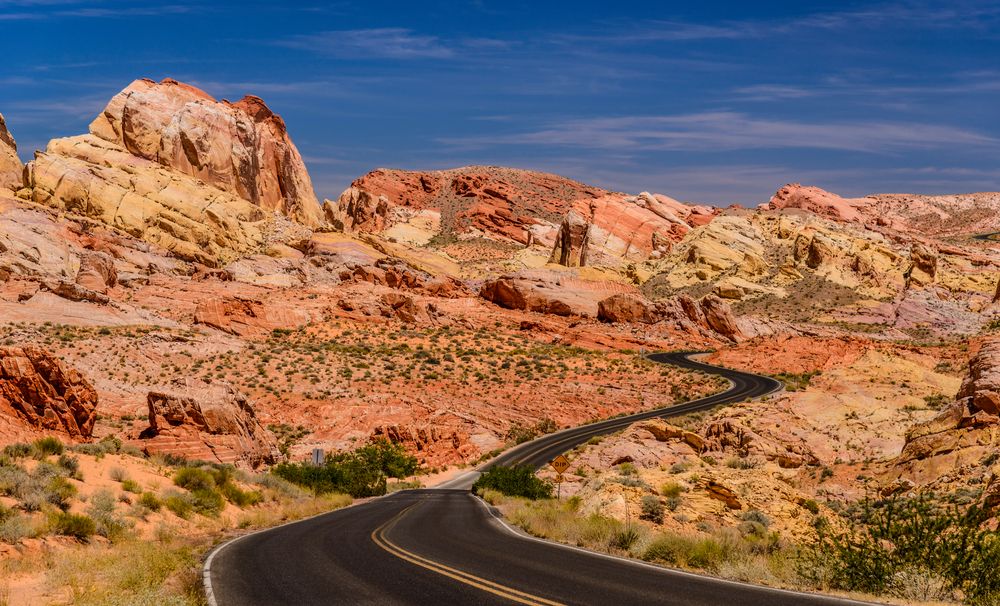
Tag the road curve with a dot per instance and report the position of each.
(443, 546)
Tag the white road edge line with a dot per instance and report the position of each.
(661, 569)
(206, 569)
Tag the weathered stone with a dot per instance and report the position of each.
(45, 394)
(207, 421)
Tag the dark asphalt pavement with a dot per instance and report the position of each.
(444, 546)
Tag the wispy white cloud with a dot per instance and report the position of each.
(727, 131)
(33, 10)
(384, 42)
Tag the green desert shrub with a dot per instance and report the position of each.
(898, 545)
(652, 509)
(179, 503)
(515, 481)
(360, 473)
(73, 525)
(43, 447)
(107, 521)
(150, 501)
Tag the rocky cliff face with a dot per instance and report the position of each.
(44, 394)
(207, 180)
(10, 164)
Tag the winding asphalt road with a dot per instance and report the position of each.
(444, 546)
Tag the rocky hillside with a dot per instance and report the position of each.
(176, 261)
(578, 224)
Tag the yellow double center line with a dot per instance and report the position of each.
(378, 536)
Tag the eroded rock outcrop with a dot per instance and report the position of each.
(579, 223)
(206, 180)
(550, 293)
(570, 248)
(965, 429)
(209, 422)
(242, 148)
(710, 314)
(97, 272)
(10, 165)
(245, 316)
(44, 393)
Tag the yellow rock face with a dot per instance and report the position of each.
(90, 177)
(767, 252)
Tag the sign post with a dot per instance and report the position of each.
(560, 464)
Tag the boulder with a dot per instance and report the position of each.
(982, 383)
(816, 200)
(358, 210)
(97, 272)
(720, 492)
(923, 265)
(720, 317)
(209, 421)
(404, 308)
(627, 308)
(44, 393)
(736, 434)
(10, 165)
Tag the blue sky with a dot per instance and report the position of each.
(718, 102)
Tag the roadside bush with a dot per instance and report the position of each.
(43, 447)
(895, 545)
(179, 503)
(150, 501)
(625, 538)
(359, 473)
(239, 497)
(652, 509)
(207, 501)
(73, 525)
(516, 481)
(17, 450)
(107, 522)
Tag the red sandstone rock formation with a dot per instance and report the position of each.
(209, 422)
(244, 317)
(36, 388)
(709, 314)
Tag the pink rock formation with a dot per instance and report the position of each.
(710, 315)
(241, 147)
(816, 200)
(36, 388)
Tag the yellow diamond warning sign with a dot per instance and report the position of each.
(560, 463)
